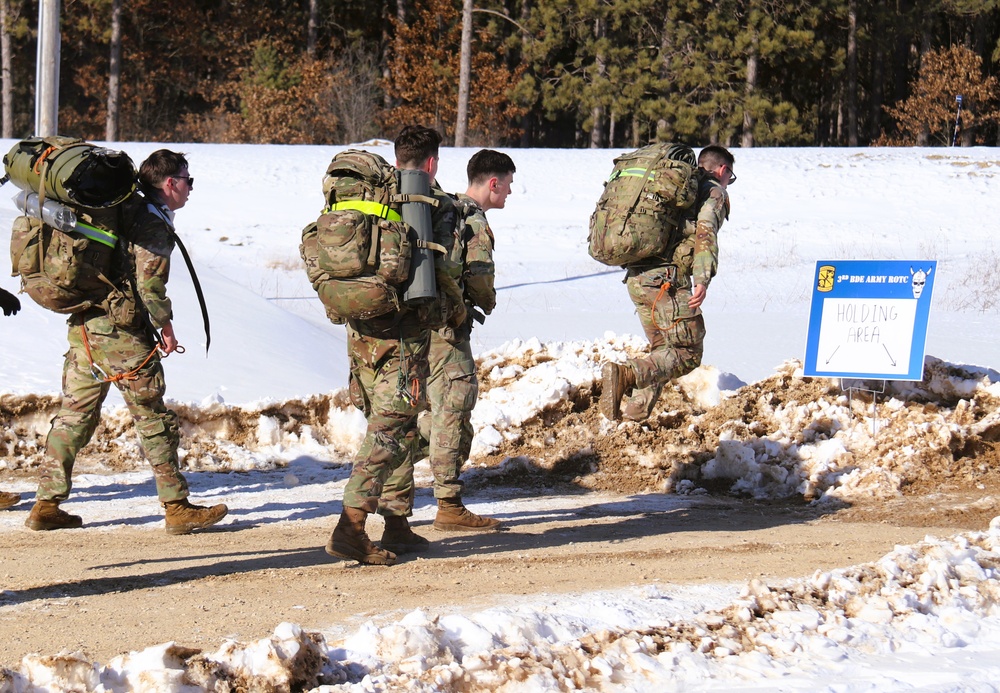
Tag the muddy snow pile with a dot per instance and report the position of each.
(784, 436)
(937, 600)
(781, 437)
(215, 436)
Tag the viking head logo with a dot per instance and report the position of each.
(918, 280)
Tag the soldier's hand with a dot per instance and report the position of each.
(9, 302)
(697, 296)
(458, 317)
(168, 341)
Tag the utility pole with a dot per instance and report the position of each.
(958, 120)
(47, 70)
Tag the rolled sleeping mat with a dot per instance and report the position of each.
(422, 285)
(73, 171)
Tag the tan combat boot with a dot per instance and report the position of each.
(45, 515)
(399, 538)
(183, 517)
(8, 500)
(350, 541)
(640, 404)
(616, 380)
(452, 516)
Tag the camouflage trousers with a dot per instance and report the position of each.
(388, 377)
(675, 331)
(114, 350)
(452, 391)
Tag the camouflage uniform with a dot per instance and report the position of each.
(119, 339)
(389, 357)
(661, 292)
(388, 373)
(453, 388)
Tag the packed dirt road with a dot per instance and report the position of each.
(104, 591)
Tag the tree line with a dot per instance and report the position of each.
(541, 73)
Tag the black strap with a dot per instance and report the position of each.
(197, 290)
(128, 267)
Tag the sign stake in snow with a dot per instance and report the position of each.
(852, 386)
(868, 319)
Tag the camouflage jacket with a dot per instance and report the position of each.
(149, 240)
(478, 269)
(697, 255)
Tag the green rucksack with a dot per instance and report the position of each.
(358, 253)
(70, 170)
(640, 213)
(65, 266)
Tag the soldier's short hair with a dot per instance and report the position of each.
(487, 163)
(415, 144)
(713, 156)
(159, 166)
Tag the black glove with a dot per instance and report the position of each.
(9, 302)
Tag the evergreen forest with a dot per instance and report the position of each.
(540, 73)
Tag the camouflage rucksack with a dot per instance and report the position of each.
(640, 213)
(358, 252)
(64, 263)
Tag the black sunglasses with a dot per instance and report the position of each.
(189, 179)
(732, 176)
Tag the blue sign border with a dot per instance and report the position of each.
(847, 279)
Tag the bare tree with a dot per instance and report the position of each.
(664, 129)
(852, 73)
(464, 75)
(114, 73)
(355, 99)
(750, 88)
(597, 113)
(313, 28)
(5, 68)
(402, 13)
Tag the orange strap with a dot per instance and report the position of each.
(37, 167)
(100, 375)
(652, 313)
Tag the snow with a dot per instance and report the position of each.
(924, 617)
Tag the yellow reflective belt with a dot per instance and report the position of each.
(364, 207)
(95, 234)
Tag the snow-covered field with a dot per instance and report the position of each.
(922, 618)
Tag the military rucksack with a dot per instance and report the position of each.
(64, 266)
(358, 253)
(640, 213)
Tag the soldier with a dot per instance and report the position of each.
(10, 305)
(668, 298)
(118, 344)
(453, 387)
(388, 379)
